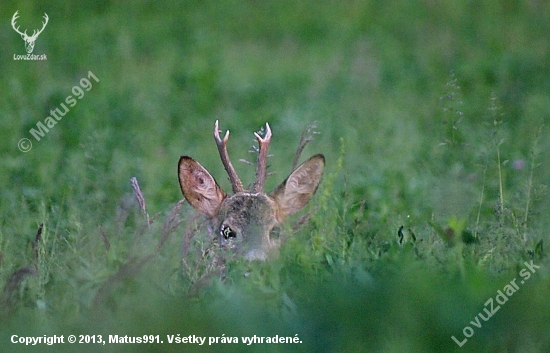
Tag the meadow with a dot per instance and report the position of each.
(428, 232)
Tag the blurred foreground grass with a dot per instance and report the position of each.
(433, 119)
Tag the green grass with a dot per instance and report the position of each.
(433, 117)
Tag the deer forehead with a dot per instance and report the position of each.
(249, 208)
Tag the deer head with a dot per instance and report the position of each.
(29, 40)
(248, 221)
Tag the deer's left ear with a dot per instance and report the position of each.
(199, 187)
(296, 191)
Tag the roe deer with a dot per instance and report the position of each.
(248, 220)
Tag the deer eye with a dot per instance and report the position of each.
(227, 232)
(275, 233)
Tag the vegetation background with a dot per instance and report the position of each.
(433, 119)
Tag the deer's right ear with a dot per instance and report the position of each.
(199, 187)
(296, 191)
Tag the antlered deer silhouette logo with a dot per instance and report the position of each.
(29, 40)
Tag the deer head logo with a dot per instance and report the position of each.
(29, 40)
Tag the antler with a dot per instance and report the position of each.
(261, 165)
(13, 19)
(222, 148)
(35, 33)
(43, 25)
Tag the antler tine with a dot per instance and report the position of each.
(222, 148)
(261, 165)
(46, 18)
(13, 24)
(36, 32)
